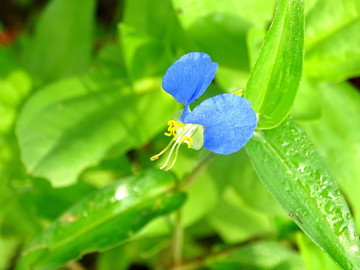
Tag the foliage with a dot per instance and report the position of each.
(82, 111)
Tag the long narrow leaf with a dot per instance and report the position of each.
(104, 220)
(274, 82)
(293, 172)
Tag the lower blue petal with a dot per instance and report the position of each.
(229, 122)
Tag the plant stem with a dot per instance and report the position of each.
(178, 227)
(200, 167)
(178, 240)
(200, 262)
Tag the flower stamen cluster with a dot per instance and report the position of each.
(173, 128)
(182, 134)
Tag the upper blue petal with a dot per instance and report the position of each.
(187, 79)
(229, 122)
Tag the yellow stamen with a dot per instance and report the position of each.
(189, 139)
(179, 137)
(155, 157)
(173, 126)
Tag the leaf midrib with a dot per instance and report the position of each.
(286, 163)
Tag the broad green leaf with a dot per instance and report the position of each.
(13, 90)
(62, 43)
(326, 17)
(276, 76)
(257, 255)
(292, 170)
(43, 201)
(104, 219)
(336, 135)
(332, 40)
(314, 257)
(336, 57)
(74, 123)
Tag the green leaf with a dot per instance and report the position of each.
(73, 124)
(36, 200)
(289, 166)
(326, 17)
(62, 43)
(104, 219)
(13, 90)
(276, 76)
(336, 57)
(336, 135)
(332, 40)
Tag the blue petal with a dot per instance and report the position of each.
(229, 122)
(187, 79)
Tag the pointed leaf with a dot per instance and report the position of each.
(275, 79)
(74, 123)
(290, 167)
(104, 219)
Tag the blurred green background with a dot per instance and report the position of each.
(82, 110)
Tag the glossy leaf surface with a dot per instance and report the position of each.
(336, 135)
(332, 40)
(289, 166)
(74, 123)
(276, 76)
(104, 219)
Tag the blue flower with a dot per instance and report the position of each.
(223, 123)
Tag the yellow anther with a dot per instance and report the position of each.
(173, 126)
(187, 138)
(154, 157)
